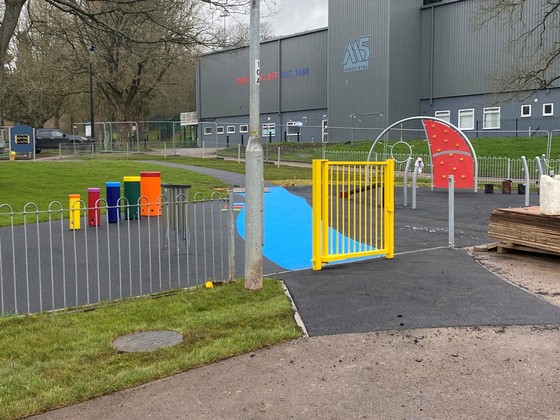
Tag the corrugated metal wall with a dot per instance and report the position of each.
(405, 70)
(293, 77)
(388, 89)
(353, 94)
(304, 71)
(223, 86)
(470, 57)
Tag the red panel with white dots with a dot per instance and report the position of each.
(451, 155)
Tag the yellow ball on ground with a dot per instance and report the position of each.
(209, 285)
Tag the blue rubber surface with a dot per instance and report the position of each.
(287, 230)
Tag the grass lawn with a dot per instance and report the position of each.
(55, 359)
(505, 147)
(273, 174)
(43, 182)
(513, 147)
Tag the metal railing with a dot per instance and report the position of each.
(491, 168)
(67, 262)
(353, 210)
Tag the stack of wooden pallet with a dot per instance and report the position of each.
(526, 228)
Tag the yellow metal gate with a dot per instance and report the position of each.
(353, 210)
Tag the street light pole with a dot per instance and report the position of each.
(91, 50)
(224, 15)
(254, 182)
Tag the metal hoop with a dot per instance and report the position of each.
(548, 164)
(409, 151)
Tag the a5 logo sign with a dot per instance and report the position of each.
(356, 55)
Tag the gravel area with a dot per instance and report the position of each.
(536, 273)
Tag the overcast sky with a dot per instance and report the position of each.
(299, 15)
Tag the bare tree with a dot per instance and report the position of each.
(42, 82)
(171, 26)
(237, 35)
(535, 46)
(175, 93)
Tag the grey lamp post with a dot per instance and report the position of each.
(91, 50)
(254, 183)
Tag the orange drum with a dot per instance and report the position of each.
(150, 192)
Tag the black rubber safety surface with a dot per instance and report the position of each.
(427, 284)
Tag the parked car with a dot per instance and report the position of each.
(51, 138)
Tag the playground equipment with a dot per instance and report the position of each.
(139, 191)
(451, 152)
(150, 189)
(132, 196)
(94, 212)
(74, 211)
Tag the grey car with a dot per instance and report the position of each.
(51, 138)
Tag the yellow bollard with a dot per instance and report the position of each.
(12, 155)
(74, 211)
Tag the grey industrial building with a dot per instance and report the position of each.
(380, 61)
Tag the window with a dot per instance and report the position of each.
(220, 129)
(491, 119)
(548, 110)
(466, 119)
(269, 129)
(243, 128)
(525, 110)
(443, 115)
(231, 129)
(207, 131)
(294, 128)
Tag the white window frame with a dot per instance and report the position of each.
(548, 114)
(268, 129)
(220, 129)
(207, 131)
(464, 114)
(293, 128)
(525, 108)
(243, 128)
(491, 118)
(231, 129)
(444, 115)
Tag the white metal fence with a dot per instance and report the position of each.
(492, 168)
(45, 265)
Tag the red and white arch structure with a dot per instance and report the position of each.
(451, 153)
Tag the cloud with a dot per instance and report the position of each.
(299, 15)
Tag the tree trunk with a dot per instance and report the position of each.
(8, 25)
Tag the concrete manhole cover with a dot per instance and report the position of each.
(147, 341)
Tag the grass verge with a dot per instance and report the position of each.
(56, 359)
(272, 173)
(511, 147)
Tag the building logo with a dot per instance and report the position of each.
(356, 55)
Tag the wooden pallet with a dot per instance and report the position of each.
(525, 229)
